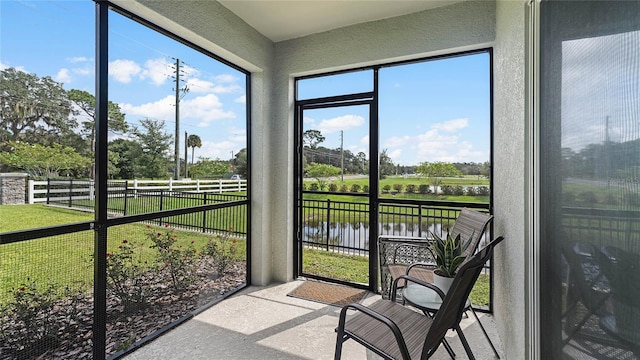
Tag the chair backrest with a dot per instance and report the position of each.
(452, 308)
(471, 224)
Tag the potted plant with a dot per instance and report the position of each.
(449, 255)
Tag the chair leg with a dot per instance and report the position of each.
(485, 332)
(448, 348)
(339, 340)
(465, 344)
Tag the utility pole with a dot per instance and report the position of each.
(342, 155)
(180, 93)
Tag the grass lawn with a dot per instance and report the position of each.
(355, 268)
(66, 260)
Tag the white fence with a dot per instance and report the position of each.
(43, 191)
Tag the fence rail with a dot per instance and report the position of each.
(70, 190)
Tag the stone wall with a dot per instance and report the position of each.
(12, 188)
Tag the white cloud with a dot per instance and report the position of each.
(452, 125)
(203, 86)
(79, 59)
(123, 70)
(157, 70)
(346, 122)
(242, 99)
(217, 150)
(308, 120)
(63, 76)
(397, 141)
(365, 140)
(161, 109)
(225, 78)
(207, 108)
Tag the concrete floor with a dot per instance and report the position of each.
(264, 323)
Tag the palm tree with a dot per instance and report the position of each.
(193, 141)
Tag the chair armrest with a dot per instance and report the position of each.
(416, 281)
(378, 317)
(420, 264)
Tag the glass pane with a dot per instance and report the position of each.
(335, 229)
(435, 120)
(590, 180)
(349, 83)
(46, 58)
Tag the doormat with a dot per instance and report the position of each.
(326, 293)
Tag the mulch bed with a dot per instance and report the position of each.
(124, 327)
(326, 293)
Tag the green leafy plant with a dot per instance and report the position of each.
(178, 261)
(124, 277)
(31, 306)
(222, 251)
(448, 253)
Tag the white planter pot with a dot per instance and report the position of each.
(443, 283)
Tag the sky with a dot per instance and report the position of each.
(429, 111)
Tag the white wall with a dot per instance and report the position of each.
(510, 160)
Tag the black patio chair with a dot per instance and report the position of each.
(394, 331)
(412, 255)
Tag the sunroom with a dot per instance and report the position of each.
(559, 99)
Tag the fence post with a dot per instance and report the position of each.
(135, 187)
(126, 190)
(48, 190)
(328, 221)
(170, 184)
(70, 192)
(420, 220)
(204, 213)
(198, 185)
(31, 190)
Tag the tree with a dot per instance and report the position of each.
(43, 161)
(436, 171)
(128, 152)
(193, 141)
(155, 145)
(32, 104)
(241, 163)
(312, 138)
(386, 165)
(321, 172)
(362, 157)
(86, 102)
(207, 169)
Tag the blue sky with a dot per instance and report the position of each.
(431, 111)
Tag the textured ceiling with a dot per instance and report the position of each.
(282, 20)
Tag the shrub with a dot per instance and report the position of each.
(365, 188)
(483, 191)
(124, 278)
(397, 188)
(355, 188)
(458, 190)
(222, 251)
(386, 188)
(471, 191)
(176, 260)
(446, 189)
(344, 188)
(314, 187)
(424, 189)
(410, 189)
(333, 187)
(34, 328)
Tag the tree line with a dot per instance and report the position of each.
(50, 132)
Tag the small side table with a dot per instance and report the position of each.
(429, 302)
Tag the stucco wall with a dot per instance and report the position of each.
(510, 160)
